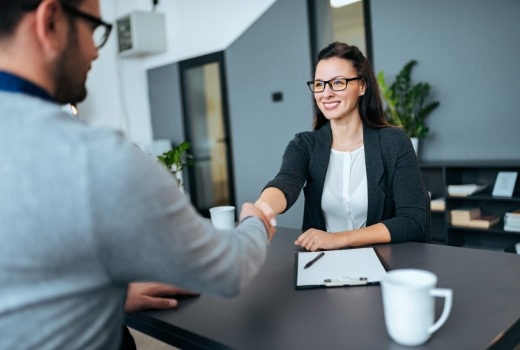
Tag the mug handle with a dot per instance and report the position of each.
(447, 294)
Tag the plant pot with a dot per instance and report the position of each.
(415, 144)
(179, 177)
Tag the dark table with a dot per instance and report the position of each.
(271, 314)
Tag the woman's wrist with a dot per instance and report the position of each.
(346, 239)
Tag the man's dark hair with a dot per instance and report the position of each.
(11, 12)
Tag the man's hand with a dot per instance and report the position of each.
(249, 209)
(151, 295)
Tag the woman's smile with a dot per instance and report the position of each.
(330, 105)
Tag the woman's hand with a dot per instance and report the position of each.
(268, 212)
(314, 239)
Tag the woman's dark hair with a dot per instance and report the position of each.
(370, 104)
(11, 12)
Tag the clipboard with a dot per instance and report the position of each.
(339, 268)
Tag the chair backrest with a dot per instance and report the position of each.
(427, 221)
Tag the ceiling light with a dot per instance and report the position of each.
(341, 3)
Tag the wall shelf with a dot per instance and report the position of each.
(439, 175)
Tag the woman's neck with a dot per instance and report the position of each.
(347, 136)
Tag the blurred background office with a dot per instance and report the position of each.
(232, 80)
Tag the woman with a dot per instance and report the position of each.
(362, 180)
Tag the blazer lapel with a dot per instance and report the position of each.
(375, 171)
(318, 165)
(322, 152)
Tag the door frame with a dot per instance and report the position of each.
(216, 57)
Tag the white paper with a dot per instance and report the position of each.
(465, 190)
(338, 264)
(505, 183)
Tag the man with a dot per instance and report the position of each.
(84, 213)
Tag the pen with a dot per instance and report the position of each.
(309, 264)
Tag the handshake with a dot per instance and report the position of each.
(223, 217)
(271, 203)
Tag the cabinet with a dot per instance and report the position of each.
(439, 175)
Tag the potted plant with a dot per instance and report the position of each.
(176, 159)
(406, 103)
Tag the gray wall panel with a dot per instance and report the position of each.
(273, 55)
(469, 51)
(165, 103)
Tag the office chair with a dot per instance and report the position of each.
(427, 221)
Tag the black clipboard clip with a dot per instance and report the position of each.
(345, 281)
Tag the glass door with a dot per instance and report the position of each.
(345, 21)
(206, 122)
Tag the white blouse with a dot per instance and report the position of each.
(345, 196)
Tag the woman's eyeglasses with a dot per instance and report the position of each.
(336, 84)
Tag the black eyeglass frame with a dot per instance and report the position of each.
(93, 19)
(75, 12)
(310, 84)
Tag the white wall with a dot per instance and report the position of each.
(118, 92)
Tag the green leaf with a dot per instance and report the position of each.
(405, 101)
(177, 158)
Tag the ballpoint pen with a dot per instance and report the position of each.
(309, 264)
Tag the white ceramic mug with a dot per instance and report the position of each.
(409, 305)
(223, 218)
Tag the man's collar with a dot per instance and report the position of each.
(13, 83)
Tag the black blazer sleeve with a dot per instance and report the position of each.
(397, 197)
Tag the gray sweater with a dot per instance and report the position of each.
(396, 193)
(83, 213)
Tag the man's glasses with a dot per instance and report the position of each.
(336, 84)
(101, 30)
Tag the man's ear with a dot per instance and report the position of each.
(51, 26)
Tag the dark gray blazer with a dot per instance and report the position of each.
(396, 194)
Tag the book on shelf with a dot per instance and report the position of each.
(465, 213)
(515, 213)
(438, 204)
(465, 190)
(511, 220)
(511, 227)
(484, 221)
